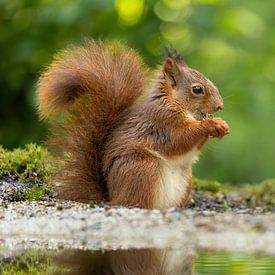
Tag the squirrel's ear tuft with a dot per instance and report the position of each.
(173, 54)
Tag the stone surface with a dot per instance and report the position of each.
(52, 224)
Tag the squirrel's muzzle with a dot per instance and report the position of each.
(220, 107)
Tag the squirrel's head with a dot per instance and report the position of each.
(190, 88)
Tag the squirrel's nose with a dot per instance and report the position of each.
(220, 107)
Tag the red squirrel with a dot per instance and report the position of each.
(118, 144)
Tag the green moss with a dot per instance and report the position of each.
(252, 195)
(31, 166)
(34, 193)
(33, 262)
(27, 165)
(206, 185)
(262, 194)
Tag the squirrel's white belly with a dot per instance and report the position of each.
(174, 177)
(174, 261)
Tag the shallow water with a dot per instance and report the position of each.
(137, 262)
(235, 264)
(43, 239)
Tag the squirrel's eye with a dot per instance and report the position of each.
(197, 90)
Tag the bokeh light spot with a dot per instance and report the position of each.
(165, 13)
(130, 11)
(177, 4)
(243, 21)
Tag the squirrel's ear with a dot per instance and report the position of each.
(171, 70)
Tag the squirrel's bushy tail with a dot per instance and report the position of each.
(83, 93)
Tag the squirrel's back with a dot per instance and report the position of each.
(83, 93)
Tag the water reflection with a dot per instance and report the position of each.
(128, 262)
(136, 262)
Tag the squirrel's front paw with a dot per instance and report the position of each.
(216, 127)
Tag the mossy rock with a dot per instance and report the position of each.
(36, 193)
(25, 172)
(262, 194)
(32, 163)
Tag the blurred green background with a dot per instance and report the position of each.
(232, 42)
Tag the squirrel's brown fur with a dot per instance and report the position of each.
(128, 261)
(111, 76)
(114, 150)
